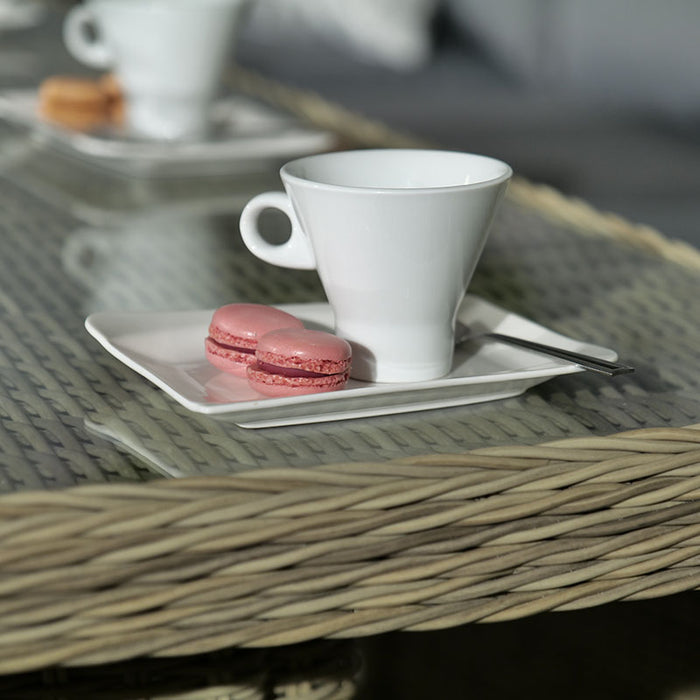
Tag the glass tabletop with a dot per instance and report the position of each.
(77, 414)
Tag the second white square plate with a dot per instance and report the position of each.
(246, 134)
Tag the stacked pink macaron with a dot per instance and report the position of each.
(294, 361)
(234, 332)
(277, 354)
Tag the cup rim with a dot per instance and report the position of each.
(288, 176)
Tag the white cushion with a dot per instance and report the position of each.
(394, 33)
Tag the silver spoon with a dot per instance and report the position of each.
(465, 333)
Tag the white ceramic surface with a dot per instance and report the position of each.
(168, 56)
(395, 236)
(167, 348)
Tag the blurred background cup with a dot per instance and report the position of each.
(395, 236)
(168, 56)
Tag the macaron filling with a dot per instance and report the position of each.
(287, 371)
(228, 346)
(227, 358)
(279, 362)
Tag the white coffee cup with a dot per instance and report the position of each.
(168, 56)
(395, 236)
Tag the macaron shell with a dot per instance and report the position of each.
(278, 385)
(73, 90)
(241, 325)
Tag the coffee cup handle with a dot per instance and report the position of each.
(78, 36)
(295, 252)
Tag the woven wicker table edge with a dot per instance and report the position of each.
(102, 573)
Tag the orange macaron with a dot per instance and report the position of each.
(74, 102)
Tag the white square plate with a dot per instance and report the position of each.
(167, 348)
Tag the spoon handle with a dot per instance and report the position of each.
(595, 364)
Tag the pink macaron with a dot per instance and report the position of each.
(294, 361)
(234, 332)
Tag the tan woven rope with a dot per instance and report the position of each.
(359, 130)
(106, 572)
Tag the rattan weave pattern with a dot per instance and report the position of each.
(587, 285)
(280, 556)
